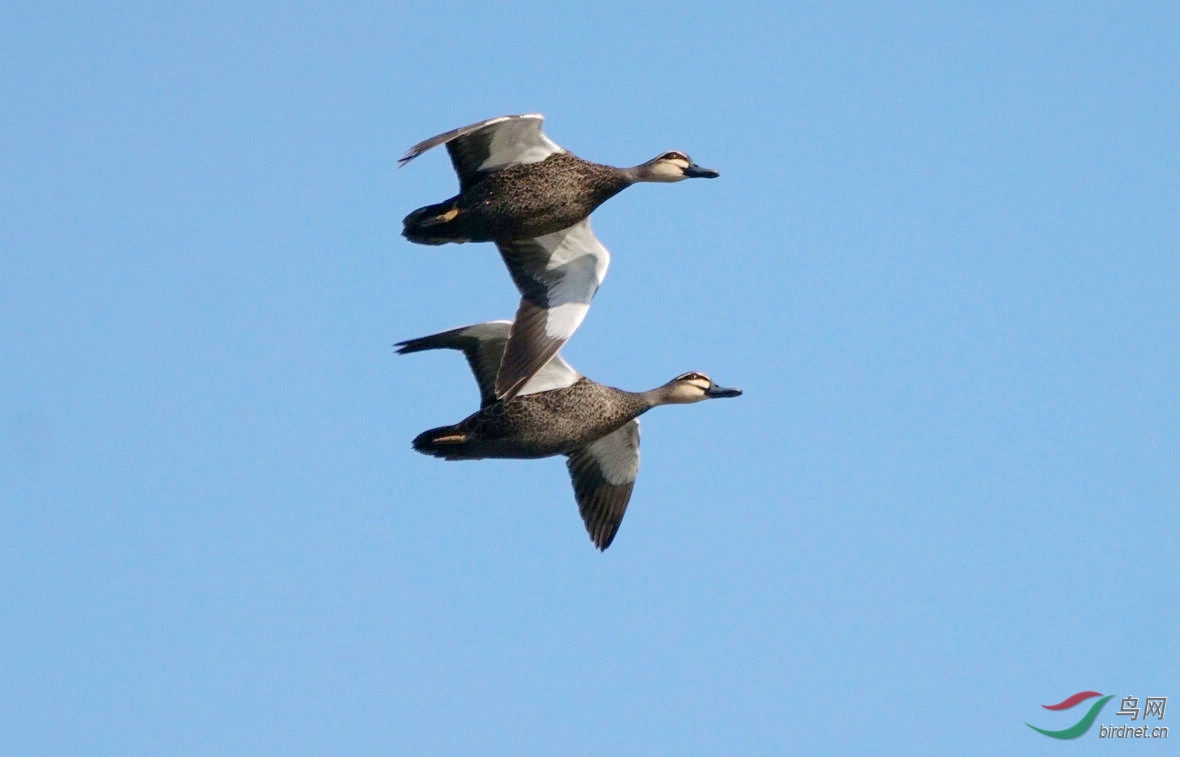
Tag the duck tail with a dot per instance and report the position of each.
(429, 225)
(447, 442)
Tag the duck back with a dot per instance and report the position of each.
(518, 202)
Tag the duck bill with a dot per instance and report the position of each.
(696, 172)
(721, 391)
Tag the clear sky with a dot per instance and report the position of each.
(941, 260)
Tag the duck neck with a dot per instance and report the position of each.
(661, 395)
(633, 404)
(631, 175)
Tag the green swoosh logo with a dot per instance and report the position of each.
(1078, 728)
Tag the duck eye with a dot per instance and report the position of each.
(674, 155)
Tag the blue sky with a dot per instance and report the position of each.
(940, 261)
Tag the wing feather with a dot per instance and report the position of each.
(603, 474)
(481, 343)
(557, 275)
(490, 145)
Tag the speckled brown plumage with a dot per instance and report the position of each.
(556, 422)
(520, 201)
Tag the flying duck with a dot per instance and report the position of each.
(533, 199)
(557, 412)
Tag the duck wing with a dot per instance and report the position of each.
(557, 275)
(483, 346)
(481, 343)
(603, 474)
(556, 374)
(480, 148)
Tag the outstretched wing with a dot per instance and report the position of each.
(603, 474)
(490, 145)
(483, 346)
(557, 275)
(481, 343)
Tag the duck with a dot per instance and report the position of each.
(516, 183)
(533, 199)
(558, 412)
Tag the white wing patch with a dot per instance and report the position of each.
(617, 454)
(556, 374)
(516, 155)
(575, 269)
(517, 141)
(577, 241)
(563, 320)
